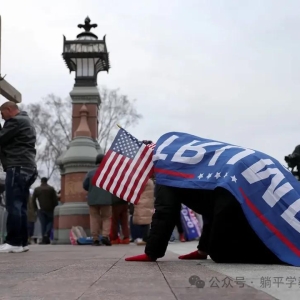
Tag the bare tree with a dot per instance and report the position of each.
(52, 120)
(115, 109)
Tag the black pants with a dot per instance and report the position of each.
(227, 237)
(145, 232)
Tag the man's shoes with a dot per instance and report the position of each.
(140, 242)
(125, 241)
(115, 242)
(25, 248)
(45, 241)
(142, 257)
(105, 241)
(6, 248)
(194, 255)
(97, 243)
(182, 238)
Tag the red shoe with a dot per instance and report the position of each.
(194, 255)
(142, 257)
(115, 242)
(182, 238)
(125, 241)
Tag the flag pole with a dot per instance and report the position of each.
(119, 126)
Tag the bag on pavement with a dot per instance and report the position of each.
(86, 240)
(79, 237)
(76, 232)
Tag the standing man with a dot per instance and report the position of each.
(17, 154)
(45, 200)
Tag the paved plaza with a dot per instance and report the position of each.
(86, 272)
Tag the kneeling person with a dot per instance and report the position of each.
(227, 236)
(251, 216)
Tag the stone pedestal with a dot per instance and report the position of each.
(79, 158)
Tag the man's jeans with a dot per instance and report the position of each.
(46, 219)
(17, 183)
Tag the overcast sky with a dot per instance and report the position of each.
(226, 70)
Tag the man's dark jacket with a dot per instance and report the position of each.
(98, 196)
(17, 142)
(46, 196)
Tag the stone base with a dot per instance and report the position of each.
(67, 215)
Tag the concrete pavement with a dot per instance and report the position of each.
(86, 272)
(281, 282)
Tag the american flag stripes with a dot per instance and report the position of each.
(151, 146)
(126, 167)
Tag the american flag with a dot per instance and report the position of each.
(151, 146)
(126, 167)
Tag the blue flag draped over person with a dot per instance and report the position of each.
(267, 191)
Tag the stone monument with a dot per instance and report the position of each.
(86, 56)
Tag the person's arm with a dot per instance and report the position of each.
(86, 182)
(9, 130)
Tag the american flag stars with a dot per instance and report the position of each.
(201, 175)
(126, 145)
(217, 176)
(233, 178)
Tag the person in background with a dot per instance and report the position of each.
(31, 219)
(172, 238)
(17, 154)
(119, 216)
(143, 211)
(45, 200)
(179, 227)
(99, 202)
(135, 230)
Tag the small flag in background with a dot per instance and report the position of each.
(126, 167)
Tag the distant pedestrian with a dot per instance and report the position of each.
(99, 202)
(120, 218)
(45, 200)
(143, 211)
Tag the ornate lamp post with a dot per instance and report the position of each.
(86, 56)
